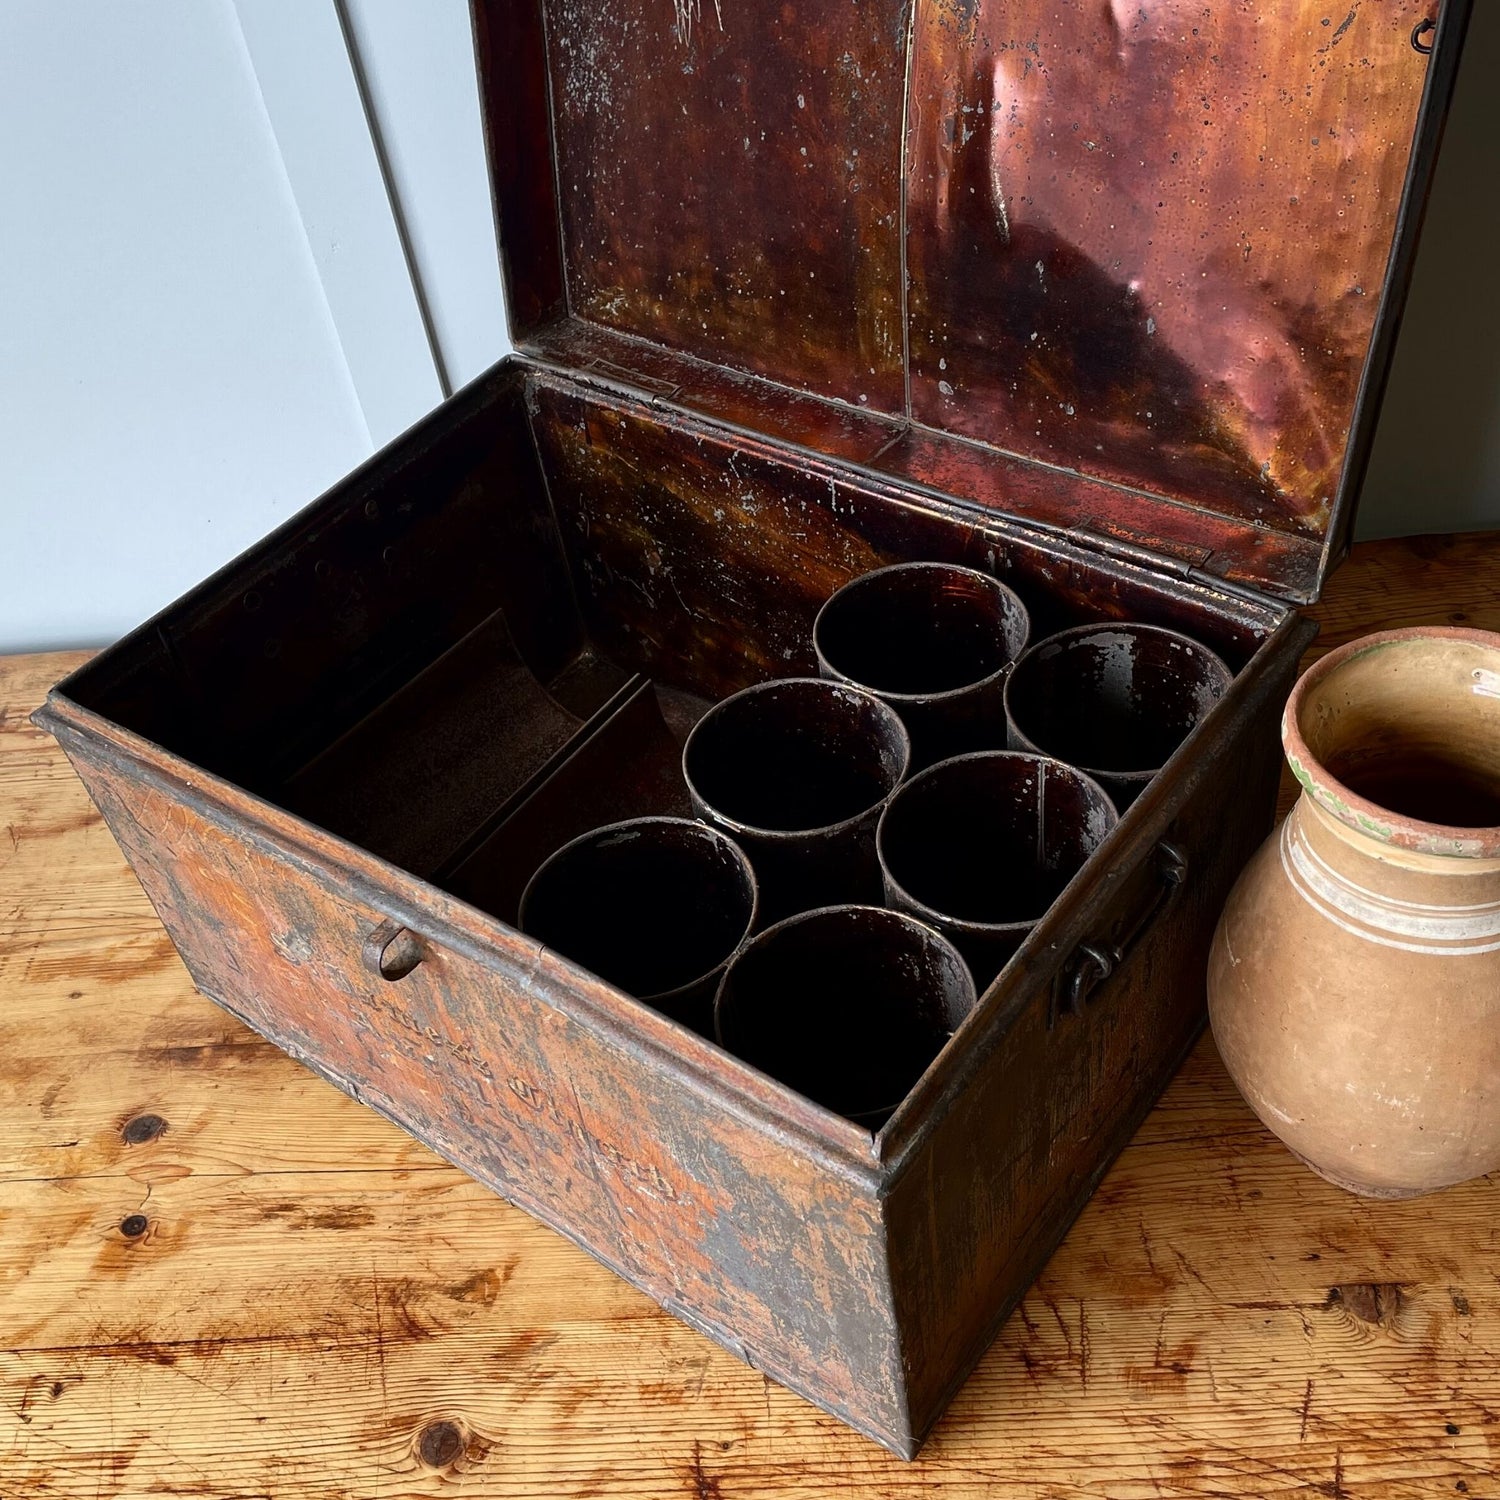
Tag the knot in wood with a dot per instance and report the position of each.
(439, 1444)
(1375, 1302)
(142, 1128)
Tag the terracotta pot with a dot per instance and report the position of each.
(1354, 981)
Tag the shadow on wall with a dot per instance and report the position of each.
(1436, 460)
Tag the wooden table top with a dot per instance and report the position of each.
(218, 1276)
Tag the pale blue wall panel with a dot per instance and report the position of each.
(419, 60)
(171, 383)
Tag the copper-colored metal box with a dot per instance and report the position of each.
(1097, 297)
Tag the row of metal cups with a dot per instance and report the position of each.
(882, 900)
(947, 647)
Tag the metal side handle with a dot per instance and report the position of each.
(1091, 963)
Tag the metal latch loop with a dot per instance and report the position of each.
(392, 951)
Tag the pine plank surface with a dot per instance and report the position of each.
(318, 1307)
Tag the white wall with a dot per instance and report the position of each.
(171, 380)
(209, 312)
(419, 60)
(311, 94)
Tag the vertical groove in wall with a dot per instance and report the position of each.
(393, 196)
(333, 323)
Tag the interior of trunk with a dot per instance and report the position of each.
(462, 659)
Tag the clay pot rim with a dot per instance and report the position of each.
(1397, 830)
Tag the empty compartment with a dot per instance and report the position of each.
(625, 763)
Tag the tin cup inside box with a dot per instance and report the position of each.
(935, 640)
(848, 1005)
(1114, 700)
(797, 771)
(980, 847)
(657, 906)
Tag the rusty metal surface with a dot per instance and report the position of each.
(504, 1059)
(753, 410)
(1042, 1099)
(866, 1279)
(704, 559)
(729, 182)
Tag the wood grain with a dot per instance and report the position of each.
(316, 1306)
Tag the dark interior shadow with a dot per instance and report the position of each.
(1436, 460)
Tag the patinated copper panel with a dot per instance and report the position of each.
(1148, 238)
(1158, 245)
(1283, 562)
(730, 182)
